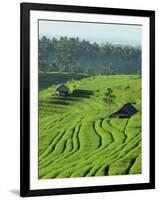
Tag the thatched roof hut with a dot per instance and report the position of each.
(126, 111)
(62, 90)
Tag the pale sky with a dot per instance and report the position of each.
(100, 33)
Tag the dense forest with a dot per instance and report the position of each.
(81, 56)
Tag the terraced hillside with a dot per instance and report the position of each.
(46, 79)
(76, 136)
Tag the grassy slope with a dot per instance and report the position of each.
(76, 137)
(50, 78)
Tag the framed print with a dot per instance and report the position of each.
(87, 99)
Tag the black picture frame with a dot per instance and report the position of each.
(25, 9)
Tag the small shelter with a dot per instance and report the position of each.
(62, 90)
(126, 111)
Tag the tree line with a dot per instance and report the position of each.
(81, 56)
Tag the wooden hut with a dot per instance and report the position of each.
(62, 90)
(126, 111)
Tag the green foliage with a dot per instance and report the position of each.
(77, 139)
(109, 98)
(80, 56)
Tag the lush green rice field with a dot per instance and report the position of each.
(76, 136)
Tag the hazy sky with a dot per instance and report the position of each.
(100, 33)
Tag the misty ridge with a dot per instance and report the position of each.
(73, 55)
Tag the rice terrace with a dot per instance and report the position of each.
(77, 138)
(89, 109)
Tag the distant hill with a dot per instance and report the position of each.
(81, 56)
